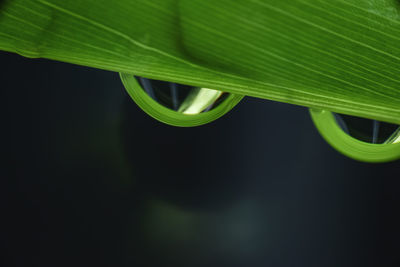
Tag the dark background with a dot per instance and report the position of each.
(87, 179)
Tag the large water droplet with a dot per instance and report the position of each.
(370, 131)
(181, 98)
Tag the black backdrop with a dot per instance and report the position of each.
(87, 179)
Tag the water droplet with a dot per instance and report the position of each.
(370, 131)
(185, 99)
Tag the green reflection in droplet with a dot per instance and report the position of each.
(338, 133)
(177, 104)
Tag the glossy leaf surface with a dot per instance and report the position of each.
(337, 55)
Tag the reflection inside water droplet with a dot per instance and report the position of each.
(370, 131)
(181, 98)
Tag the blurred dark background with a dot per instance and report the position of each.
(88, 179)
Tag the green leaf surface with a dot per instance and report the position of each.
(338, 55)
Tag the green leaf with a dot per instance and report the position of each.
(338, 55)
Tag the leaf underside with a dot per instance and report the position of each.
(339, 55)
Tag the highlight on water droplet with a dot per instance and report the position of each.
(178, 104)
(189, 100)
